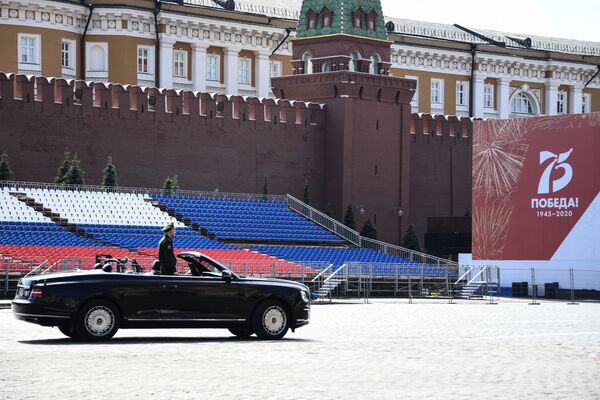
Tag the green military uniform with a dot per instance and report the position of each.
(166, 255)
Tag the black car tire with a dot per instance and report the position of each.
(68, 331)
(243, 332)
(271, 320)
(98, 320)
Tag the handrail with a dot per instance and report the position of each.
(355, 238)
(334, 273)
(477, 274)
(464, 275)
(34, 269)
(138, 190)
(321, 273)
(50, 267)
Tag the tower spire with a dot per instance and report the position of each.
(352, 17)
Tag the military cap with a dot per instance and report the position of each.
(168, 227)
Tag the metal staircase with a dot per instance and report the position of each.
(477, 282)
(328, 284)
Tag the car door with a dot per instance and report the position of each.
(205, 298)
(140, 297)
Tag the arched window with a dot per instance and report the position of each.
(308, 66)
(311, 19)
(521, 104)
(325, 17)
(374, 66)
(97, 59)
(326, 67)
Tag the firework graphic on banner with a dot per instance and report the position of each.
(499, 150)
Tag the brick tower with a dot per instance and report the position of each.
(342, 58)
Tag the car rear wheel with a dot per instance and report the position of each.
(68, 331)
(271, 320)
(242, 332)
(98, 320)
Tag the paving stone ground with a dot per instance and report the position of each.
(388, 349)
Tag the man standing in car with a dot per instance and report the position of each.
(166, 254)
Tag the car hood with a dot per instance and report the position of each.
(278, 282)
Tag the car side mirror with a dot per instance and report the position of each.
(226, 275)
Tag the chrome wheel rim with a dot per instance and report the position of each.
(274, 320)
(99, 321)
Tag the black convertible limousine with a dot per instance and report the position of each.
(93, 305)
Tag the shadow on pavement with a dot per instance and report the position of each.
(159, 340)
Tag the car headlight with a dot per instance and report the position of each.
(304, 296)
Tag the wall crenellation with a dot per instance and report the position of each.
(441, 125)
(63, 96)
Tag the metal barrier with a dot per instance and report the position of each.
(14, 186)
(354, 237)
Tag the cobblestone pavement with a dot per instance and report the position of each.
(384, 350)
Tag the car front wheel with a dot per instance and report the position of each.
(98, 320)
(271, 320)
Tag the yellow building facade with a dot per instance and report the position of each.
(201, 46)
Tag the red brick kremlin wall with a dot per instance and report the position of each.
(423, 163)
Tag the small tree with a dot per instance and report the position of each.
(306, 198)
(6, 174)
(75, 176)
(63, 170)
(349, 218)
(170, 186)
(368, 230)
(328, 210)
(109, 174)
(411, 240)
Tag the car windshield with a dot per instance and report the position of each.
(202, 266)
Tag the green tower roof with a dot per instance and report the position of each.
(341, 21)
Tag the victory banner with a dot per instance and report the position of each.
(536, 185)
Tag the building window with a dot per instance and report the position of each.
(437, 91)
(326, 21)
(275, 68)
(488, 96)
(65, 54)
(312, 24)
(521, 104)
(371, 25)
(462, 89)
(357, 22)
(561, 102)
(586, 103)
(245, 71)
(414, 103)
(180, 63)
(212, 67)
(142, 60)
(29, 52)
(326, 67)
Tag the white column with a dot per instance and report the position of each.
(166, 62)
(231, 70)
(263, 74)
(503, 97)
(575, 99)
(478, 84)
(551, 98)
(199, 66)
